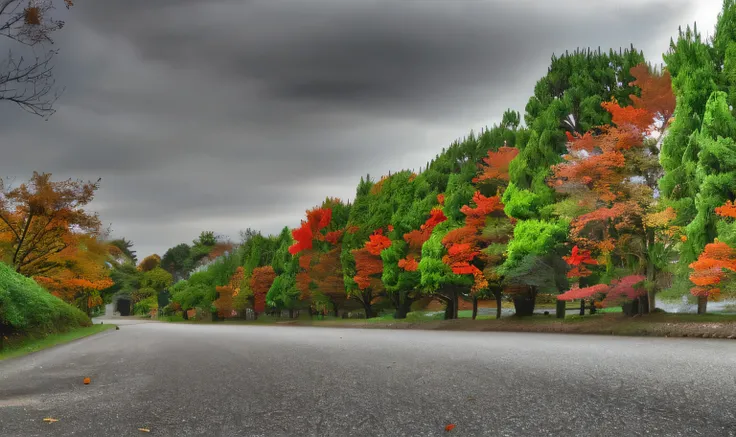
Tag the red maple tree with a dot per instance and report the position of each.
(578, 259)
(416, 238)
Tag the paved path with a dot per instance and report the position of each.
(216, 380)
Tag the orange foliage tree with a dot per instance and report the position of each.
(41, 218)
(260, 282)
(149, 263)
(717, 260)
(616, 218)
(83, 275)
(227, 293)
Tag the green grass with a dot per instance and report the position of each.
(22, 346)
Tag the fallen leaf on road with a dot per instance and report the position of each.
(87, 381)
(450, 427)
(50, 420)
(144, 430)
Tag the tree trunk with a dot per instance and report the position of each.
(402, 310)
(368, 310)
(365, 300)
(402, 303)
(652, 299)
(4, 332)
(455, 303)
(475, 307)
(291, 313)
(524, 304)
(593, 309)
(644, 305)
(335, 309)
(702, 304)
(561, 309)
(499, 304)
(449, 310)
(582, 307)
(650, 303)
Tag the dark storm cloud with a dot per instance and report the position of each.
(228, 114)
(387, 56)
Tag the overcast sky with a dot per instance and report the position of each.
(227, 114)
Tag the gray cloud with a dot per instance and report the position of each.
(228, 114)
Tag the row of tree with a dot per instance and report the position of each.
(619, 183)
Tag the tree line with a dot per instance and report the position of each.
(617, 184)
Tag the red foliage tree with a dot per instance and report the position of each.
(368, 267)
(377, 242)
(578, 259)
(576, 292)
(496, 166)
(260, 282)
(416, 238)
(319, 256)
(624, 289)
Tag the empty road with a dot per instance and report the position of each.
(228, 380)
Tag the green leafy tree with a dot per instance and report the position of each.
(157, 279)
(536, 243)
(178, 261)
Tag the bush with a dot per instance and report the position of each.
(145, 306)
(25, 307)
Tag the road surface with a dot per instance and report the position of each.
(228, 380)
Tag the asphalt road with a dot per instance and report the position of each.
(214, 380)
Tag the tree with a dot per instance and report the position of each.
(149, 263)
(177, 261)
(156, 278)
(318, 242)
(534, 264)
(29, 84)
(478, 248)
(283, 293)
(126, 248)
(715, 172)
(403, 264)
(368, 271)
(567, 100)
(81, 274)
(41, 218)
(613, 215)
(260, 282)
(709, 271)
(227, 293)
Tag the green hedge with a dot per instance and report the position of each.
(26, 307)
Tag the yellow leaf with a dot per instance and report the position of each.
(50, 420)
(144, 430)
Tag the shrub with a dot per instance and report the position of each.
(25, 307)
(145, 306)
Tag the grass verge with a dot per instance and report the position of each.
(609, 323)
(15, 347)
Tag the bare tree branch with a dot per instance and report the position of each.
(29, 83)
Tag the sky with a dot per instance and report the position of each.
(224, 115)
